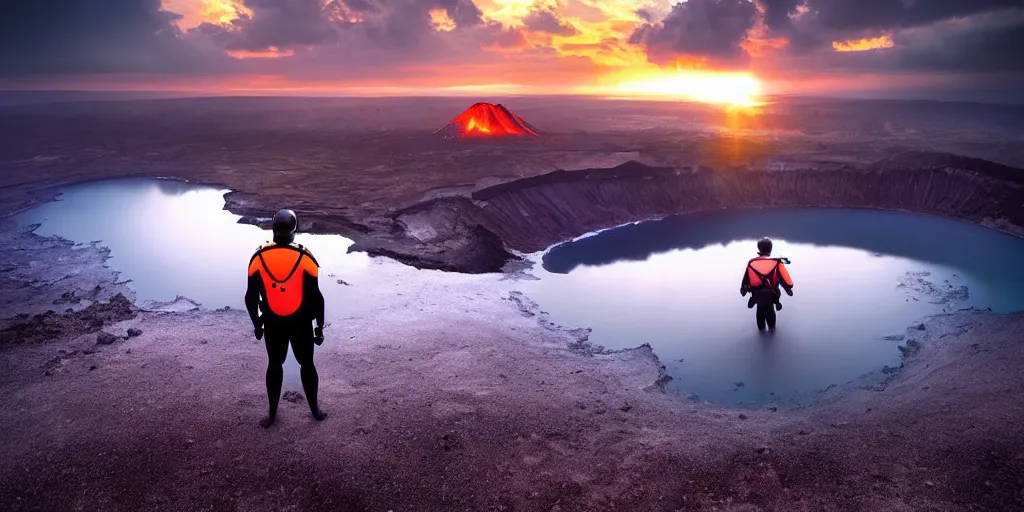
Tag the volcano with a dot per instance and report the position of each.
(486, 120)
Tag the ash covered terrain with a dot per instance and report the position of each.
(454, 391)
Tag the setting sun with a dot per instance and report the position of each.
(738, 89)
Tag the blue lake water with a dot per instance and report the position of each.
(860, 276)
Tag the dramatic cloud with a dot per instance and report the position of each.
(543, 20)
(888, 14)
(280, 24)
(699, 28)
(336, 43)
(645, 15)
(982, 43)
(286, 24)
(777, 12)
(86, 36)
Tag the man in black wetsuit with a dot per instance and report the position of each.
(762, 279)
(284, 287)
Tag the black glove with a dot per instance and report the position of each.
(258, 331)
(318, 335)
(743, 291)
(789, 291)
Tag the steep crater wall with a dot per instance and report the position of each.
(477, 234)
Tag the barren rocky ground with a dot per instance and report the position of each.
(446, 391)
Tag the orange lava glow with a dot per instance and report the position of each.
(488, 120)
(862, 45)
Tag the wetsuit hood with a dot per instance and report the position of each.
(764, 247)
(285, 226)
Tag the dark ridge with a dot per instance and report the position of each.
(918, 160)
(631, 168)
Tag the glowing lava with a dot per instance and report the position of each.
(487, 120)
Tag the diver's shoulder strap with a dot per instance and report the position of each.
(290, 273)
(299, 248)
(260, 249)
(305, 250)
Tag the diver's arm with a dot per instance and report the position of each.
(315, 298)
(745, 283)
(786, 281)
(252, 300)
(311, 287)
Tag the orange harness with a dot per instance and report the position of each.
(284, 296)
(767, 279)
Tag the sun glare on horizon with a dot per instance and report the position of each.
(732, 89)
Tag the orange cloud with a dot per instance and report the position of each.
(861, 45)
(270, 53)
(440, 20)
(195, 12)
(758, 47)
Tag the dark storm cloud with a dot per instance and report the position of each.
(543, 20)
(281, 24)
(928, 35)
(391, 35)
(705, 28)
(776, 12)
(407, 22)
(888, 14)
(982, 48)
(983, 43)
(87, 36)
(286, 24)
(464, 13)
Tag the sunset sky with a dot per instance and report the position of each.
(703, 49)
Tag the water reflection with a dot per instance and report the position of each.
(171, 238)
(919, 237)
(860, 276)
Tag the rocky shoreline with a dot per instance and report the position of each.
(460, 394)
(462, 234)
(461, 401)
(465, 400)
(451, 391)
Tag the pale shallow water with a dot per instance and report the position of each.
(171, 238)
(860, 276)
(672, 283)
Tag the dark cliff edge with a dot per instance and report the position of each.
(479, 234)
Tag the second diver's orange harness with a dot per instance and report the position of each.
(769, 279)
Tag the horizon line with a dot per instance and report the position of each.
(256, 93)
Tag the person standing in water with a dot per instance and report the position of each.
(284, 287)
(762, 279)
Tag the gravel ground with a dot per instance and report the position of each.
(455, 393)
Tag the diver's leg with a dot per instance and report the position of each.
(769, 316)
(302, 347)
(761, 315)
(277, 351)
